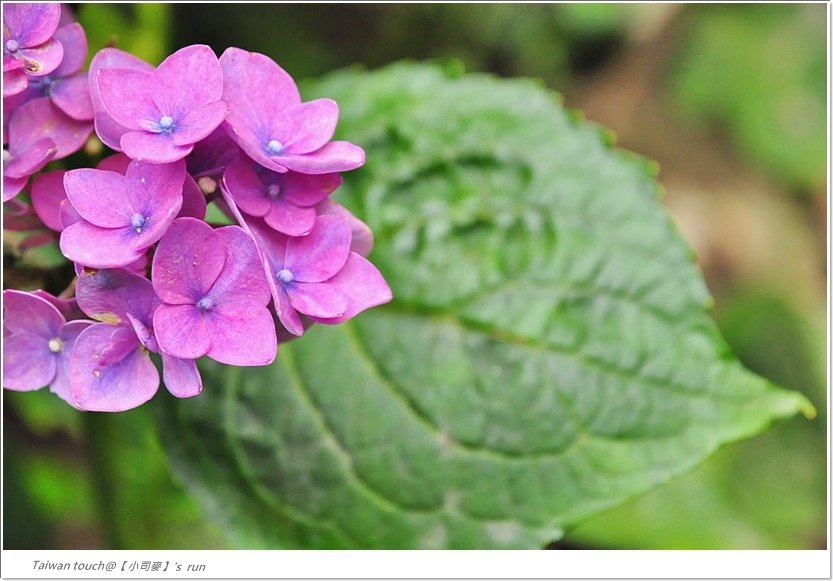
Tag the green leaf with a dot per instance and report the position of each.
(546, 356)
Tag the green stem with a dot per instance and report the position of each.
(103, 449)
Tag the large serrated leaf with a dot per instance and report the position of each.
(547, 354)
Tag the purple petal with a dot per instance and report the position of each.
(181, 331)
(110, 295)
(306, 127)
(336, 156)
(14, 82)
(74, 41)
(47, 193)
(286, 313)
(122, 342)
(31, 24)
(181, 376)
(118, 163)
(144, 333)
(189, 78)
(255, 88)
(153, 147)
(242, 333)
(112, 388)
(64, 307)
(99, 247)
(362, 236)
(10, 63)
(290, 219)
(108, 131)
(13, 186)
(126, 95)
(244, 185)
(112, 58)
(212, 154)
(61, 385)
(187, 262)
(67, 214)
(39, 119)
(72, 96)
(155, 191)
(27, 313)
(317, 299)
(42, 59)
(308, 190)
(363, 286)
(30, 159)
(28, 364)
(193, 201)
(322, 253)
(242, 276)
(199, 123)
(98, 196)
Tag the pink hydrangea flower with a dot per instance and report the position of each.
(29, 49)
(168, 110)
(268, 120)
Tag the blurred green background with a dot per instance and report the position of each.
(729, 99)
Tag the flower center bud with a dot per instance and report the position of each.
(208, 185)
(205, 304)
(273, 191)
(166, 122)
(138, 221)
(274, 147)
(12, 45)
(56, 345)
(285, 276)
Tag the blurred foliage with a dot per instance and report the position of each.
(141, 29)
(758, 71)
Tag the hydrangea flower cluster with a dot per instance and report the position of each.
(152, 275)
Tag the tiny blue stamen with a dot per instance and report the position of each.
(138, 221)
(45, 82)
(12, 45)
(274, 191)
(205, 303)
(166, 122)
(274, 147)
(285, 276)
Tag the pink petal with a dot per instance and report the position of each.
(112, 388)
(321, 254)
(286, 313)
(155, 190)
(187, 262)
(362, 236)
(28, 364)
(112, 58)
(242, 333)
(117, 163)
(42, 59)
(181, 376)
(244, 185)
(99, 247)
(193, 200)
(242, 276)
(108, 131)
(181, 331)
(74, 42)
(47, 194)
(110, 295)
(72, 96)
(39, 119)
(30, 24)
(336, 156)
(255, 87)
(31, 159)
(290, 219)
(362, 285)
(306, 127)
(153, 147)
(198, 124)
(122, 342)
(317, 299)
(13, 186)
(27, 313)
(308, 190)
(60, 386)
(67, 214)
(98, 196)
(189, 78)
(127, 96)
(14, 82)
